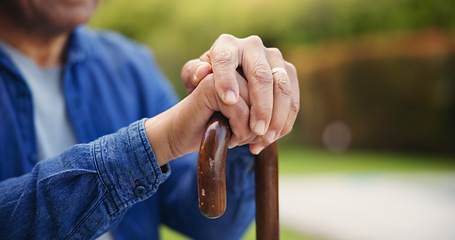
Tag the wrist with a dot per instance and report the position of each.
(178, 130)
(158, 139)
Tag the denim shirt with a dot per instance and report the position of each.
(111, 181)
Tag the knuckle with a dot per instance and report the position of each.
(295, 107)
(188, 69)
(205, 57)
(261, 74)
(222, 56)
(254, 39)
(283, 87)
(290, 67)
(225, 36)
(275, 52)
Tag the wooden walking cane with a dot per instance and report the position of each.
(212, 178)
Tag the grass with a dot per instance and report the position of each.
(286, 234)
(296, 160)
(167, 233)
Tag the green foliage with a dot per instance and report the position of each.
(178, 31)
(193, 22)
(182, 30)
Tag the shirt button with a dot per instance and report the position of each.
(139, 191)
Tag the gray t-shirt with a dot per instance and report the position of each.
(54, 132)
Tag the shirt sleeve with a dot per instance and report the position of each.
(81, 193)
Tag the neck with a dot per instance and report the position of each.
(45, 48)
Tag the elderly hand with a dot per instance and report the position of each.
(271, 82)
(178, 131)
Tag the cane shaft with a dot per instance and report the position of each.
(266, 177)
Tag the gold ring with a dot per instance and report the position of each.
(279, 69)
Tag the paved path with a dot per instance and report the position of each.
(370, 206)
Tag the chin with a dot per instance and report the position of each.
(65, 15)
(72, 14)
(48, 16)
(68, 22)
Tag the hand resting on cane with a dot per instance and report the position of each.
(178, 131)
(271, 83)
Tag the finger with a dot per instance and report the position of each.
(202, 70)
(224, 57)
(193, 72)
(260, 83)
(258, 144)
(282, 92)
(255, 139)
(256, 148)
(238, 114)
(295, 100)
(205, 57)
(247, 141)
(241, 139)
(243, 88)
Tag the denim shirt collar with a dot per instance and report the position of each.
(78, 48)
(6, 61)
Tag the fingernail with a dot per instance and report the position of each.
(195, 77)
(270, 136)
(259, 127)
(200, 72)
(230, 98)
(195, 80)
(256, 150)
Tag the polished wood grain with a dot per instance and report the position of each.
(266, 177)
(212, 179)
(211, 167)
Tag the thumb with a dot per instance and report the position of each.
(193, 72)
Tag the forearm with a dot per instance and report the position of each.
(82, 192)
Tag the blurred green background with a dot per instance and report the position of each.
(373, 74)
(377, 78)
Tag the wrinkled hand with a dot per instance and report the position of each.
(178, 131)
(270, 85)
